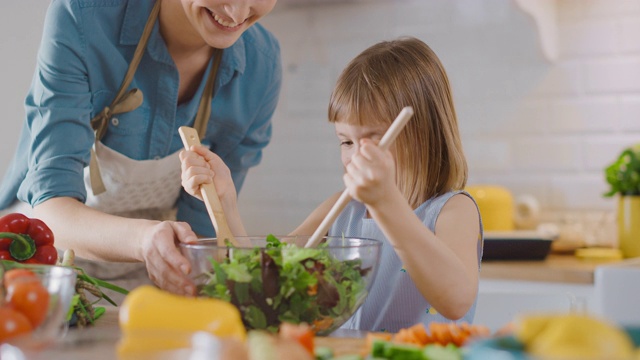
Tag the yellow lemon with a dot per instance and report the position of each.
(575, 336)
(529, 326)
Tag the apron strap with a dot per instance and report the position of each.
(123, 102)
(129, 101)
(204, 108)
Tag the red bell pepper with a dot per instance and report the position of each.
(26, 240)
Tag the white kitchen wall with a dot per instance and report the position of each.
(538, 126)
(20, 32)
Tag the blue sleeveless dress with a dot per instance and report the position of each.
(394, 302)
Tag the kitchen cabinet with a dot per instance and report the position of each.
(560, 283)
(617, 292)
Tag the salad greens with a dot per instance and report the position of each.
(285, 283)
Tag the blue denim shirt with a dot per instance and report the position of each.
(85, 51)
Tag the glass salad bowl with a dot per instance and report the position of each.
(271, 280)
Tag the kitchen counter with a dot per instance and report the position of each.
(559, 283)
(99, 342)
(555, 268)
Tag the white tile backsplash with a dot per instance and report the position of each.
(537, 126)
(630, 114)
(619, 74)
(584, 115)
(564, 78)
(588, 38)
(627, 35)
(597, 9)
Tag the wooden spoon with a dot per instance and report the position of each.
(190, 138)
(388, 138)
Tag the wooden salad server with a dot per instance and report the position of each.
(388, 138)
(190, 138)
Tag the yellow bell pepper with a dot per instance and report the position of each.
(153, 321)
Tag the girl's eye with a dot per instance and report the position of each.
(346, 143)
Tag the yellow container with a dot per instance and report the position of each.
(496, 206)
(629, 225)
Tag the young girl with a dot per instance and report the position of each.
(410, 197)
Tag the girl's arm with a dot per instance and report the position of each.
(444, 267)
(201, 166)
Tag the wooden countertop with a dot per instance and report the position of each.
(99, 342)
(555, 268)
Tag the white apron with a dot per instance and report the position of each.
(145, 189)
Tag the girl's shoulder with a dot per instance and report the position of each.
(437, 202)
(431, 209)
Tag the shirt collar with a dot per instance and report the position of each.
(233, 58)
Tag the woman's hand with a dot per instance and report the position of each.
(166, 266)
(370, 175)
(201, 166)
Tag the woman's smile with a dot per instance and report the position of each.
(222, 23)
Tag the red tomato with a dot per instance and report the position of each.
(30, 298)
(301, 333)
(12, 323)
(19, 275)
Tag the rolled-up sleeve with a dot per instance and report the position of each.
(58, 108)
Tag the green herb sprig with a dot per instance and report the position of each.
(624, 174)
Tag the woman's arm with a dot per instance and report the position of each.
(98, 236)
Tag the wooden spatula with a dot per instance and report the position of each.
(190, 138)
(387, 139)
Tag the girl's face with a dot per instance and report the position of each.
(221, 22)
(350, 136)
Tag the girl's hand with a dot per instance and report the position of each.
(167, 268)
(371, 174)
(201, 166)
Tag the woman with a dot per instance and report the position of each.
(98, 161)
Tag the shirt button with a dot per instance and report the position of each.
(115, 121)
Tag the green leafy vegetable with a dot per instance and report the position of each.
(282, 282)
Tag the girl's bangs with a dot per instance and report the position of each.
(357, 105)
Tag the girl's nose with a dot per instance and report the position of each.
(238, 10)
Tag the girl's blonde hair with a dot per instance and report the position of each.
(377, 84)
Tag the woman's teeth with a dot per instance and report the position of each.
(222, 22)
